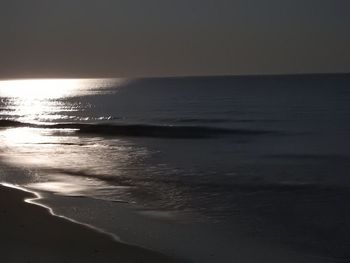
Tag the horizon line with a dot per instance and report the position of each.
(185, 76)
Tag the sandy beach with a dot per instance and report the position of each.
(29, 233)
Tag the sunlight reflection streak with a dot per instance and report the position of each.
(37, 100)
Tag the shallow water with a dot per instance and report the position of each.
(267, 155)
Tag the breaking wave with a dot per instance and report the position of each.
(142, 130)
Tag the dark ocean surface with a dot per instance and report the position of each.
(269, 156)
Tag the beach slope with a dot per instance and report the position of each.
(30, 233)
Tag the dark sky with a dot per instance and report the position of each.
(96, 38)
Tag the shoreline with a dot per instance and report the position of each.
(35, 200)
(30, 232)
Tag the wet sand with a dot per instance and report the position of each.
(30, 233)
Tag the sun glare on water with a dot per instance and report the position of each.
(40, 88)
(40, 100)
(37, 100)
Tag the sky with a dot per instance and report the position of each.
(115, 38)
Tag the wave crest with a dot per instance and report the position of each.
(141, 130)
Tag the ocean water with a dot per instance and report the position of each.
(263, 158)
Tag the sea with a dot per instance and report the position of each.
(204, 169)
